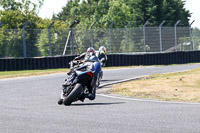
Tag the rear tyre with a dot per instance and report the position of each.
(73, 95)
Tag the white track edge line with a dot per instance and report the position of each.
(145, 100)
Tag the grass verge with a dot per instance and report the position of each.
(182, 86)
(24, 73)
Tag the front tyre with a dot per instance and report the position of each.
(60, 101)
(73, 95)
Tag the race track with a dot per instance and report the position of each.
(29, 105)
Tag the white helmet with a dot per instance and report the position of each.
(102, 49)
(90, 49)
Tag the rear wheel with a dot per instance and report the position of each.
(73, 95)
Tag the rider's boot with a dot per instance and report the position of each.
(92, 95)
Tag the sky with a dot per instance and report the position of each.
(51, 6)
(193, 7)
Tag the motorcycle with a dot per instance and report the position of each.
(80, 80)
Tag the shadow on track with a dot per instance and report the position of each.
(90, 104)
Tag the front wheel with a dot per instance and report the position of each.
(60, 101)
(73, 95)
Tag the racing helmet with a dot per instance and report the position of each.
(102, 49)
(90, 50)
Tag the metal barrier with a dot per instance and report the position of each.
(181, 57)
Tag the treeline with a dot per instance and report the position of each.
(124, 11)
(15, 14)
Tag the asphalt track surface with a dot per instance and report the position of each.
(29, 105)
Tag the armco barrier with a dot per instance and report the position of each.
(12, 64)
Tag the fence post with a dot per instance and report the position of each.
(92, 34)
(49, 31)
(24, 38)
(176, 33)
(160, 31)
(70, 36)
(72, 40)
(67, 42)
(110, 36)
(127, 46)
(144, 35)
(192, 47)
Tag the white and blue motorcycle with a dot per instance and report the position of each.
(81, 81)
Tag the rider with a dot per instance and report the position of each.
(101, 54)
(87, 56)
(84, 56)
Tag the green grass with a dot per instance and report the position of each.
(11, 74)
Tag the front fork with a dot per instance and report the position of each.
(100, 75)
(62, 95)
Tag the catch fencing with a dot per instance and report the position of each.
(56, 42)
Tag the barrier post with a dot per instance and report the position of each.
(175, 34)
(144, 35)
(24, 38)
(127, 45)
(160, 31)
(192, 47)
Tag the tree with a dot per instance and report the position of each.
(196, 38)
(139, 11)
(59, 28)
(171, 11)
(70, 12)
(118, 12)
(10, 4)
(14, 16)
(12, 28)
(26, 6)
